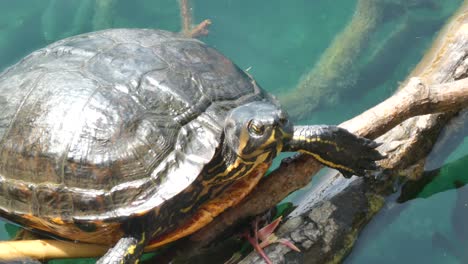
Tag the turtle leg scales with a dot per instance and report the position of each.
(336, 148)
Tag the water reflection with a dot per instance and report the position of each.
(424, 222)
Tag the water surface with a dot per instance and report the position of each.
(280, 41)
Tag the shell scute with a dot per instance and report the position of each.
(131, 123)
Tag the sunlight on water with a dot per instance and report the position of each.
(280, 41)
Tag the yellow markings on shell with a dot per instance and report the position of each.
(57, 220)
(328, 163)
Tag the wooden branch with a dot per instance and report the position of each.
(48, 249)
(335, 69)
(343, 207)
(188, 29)
(201, 29)
(444, 62)
(431, 97)
(414, 99)
(287, 178)
(186, 17)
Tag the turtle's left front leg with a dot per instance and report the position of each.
(336, 147)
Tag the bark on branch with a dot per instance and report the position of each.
(416, 98)
(435, 90)
(326, 223)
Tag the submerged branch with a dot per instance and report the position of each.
(103, 14)
(437, 89)
(338, 209)
(412, 100)
(188, 29)
(186, 16)
(201, 29)
(335, 70)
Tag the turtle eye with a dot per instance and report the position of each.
(256, 127)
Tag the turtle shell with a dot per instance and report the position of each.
(111, 124)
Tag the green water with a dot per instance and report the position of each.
(280, 41)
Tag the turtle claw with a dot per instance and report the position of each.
(289, 244)
(268, 230)
(366, 165)
(266, 237)
(346, 174)
(369, 149)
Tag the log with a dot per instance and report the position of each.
(418, 96)
(334, 68)
(443, 67)
(185, 17)
(48, 249)
(326, 224)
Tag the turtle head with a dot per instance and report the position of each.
(255, 129)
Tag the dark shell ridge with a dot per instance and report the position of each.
(112, 123)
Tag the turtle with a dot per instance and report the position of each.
(134, 138)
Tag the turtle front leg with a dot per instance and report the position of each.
(336, 147)
(127, 250)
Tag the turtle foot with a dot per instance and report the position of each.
(265, 236)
